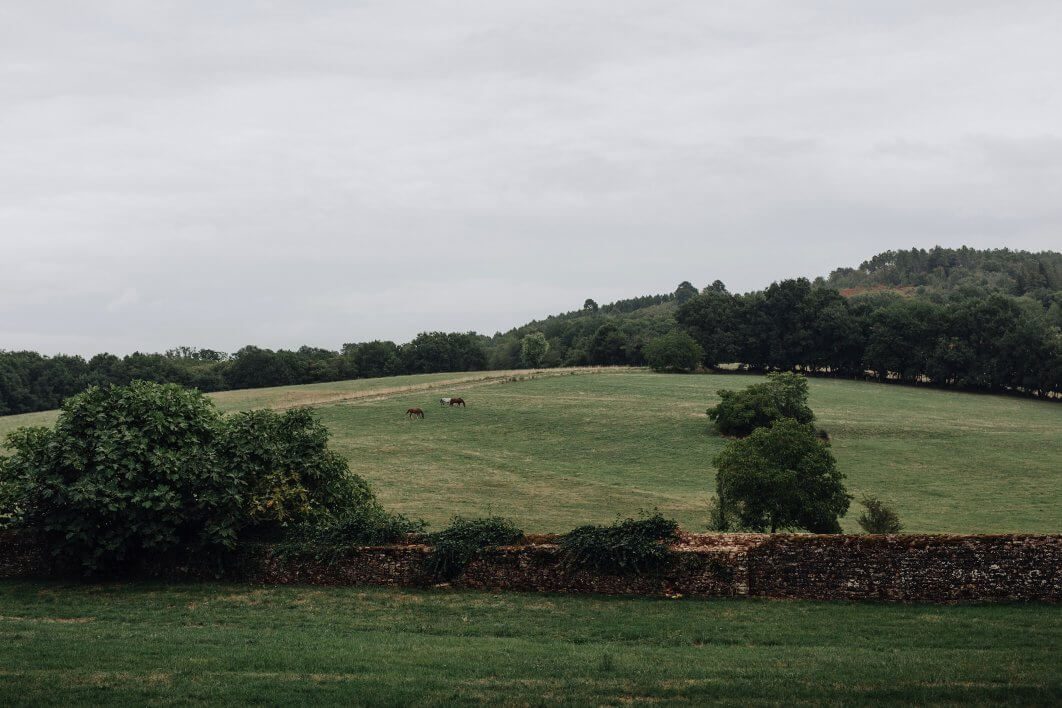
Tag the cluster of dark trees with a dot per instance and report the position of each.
(965, 338)
(32, 382)
(607, 335)
(983, 320)
(969, 340)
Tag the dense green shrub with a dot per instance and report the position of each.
(781, 477)
(328, 539)
(140, 476)
(878, 516)
(128, 474)
(674, 351)
(454, 547)
(782, 395)
(291, 474)
(628, 546)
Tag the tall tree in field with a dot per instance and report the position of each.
(781, 477)
(783, 395)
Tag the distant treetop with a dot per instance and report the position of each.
(1012, 272)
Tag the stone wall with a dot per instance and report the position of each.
(716, 572)
(908, 568)
(937, 569)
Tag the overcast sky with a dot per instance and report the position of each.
(282, 173)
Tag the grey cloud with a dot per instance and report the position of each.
(287, 173)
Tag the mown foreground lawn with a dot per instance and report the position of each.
(173, 644)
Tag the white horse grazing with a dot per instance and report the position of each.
(444, 401)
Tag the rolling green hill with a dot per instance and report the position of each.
(567, 447)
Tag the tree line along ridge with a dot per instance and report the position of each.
(960, 318)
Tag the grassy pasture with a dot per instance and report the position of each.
(176, 645)
(562, 449)
(559, 451)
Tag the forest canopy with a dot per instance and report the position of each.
(1012, 272)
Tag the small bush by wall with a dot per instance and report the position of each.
(629, 546)
(454, 547)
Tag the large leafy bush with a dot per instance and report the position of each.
(291, 474)
(127, 473)
(143, 475)
(782, 395)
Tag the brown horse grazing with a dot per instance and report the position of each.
(457, 402)
(414, 412)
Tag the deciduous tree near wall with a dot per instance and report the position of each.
(781, 477)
